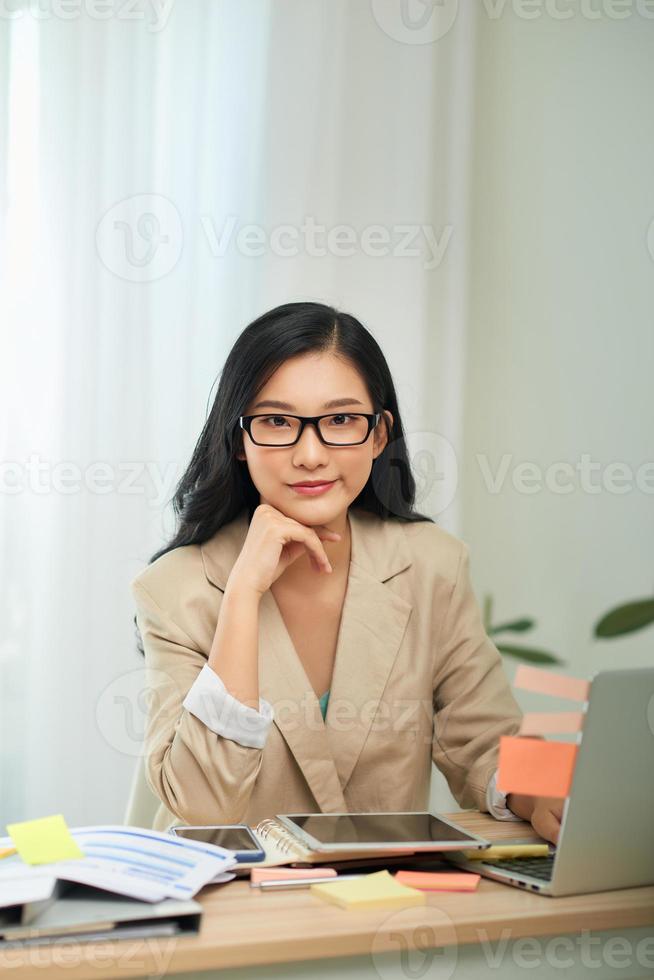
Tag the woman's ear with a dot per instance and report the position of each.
(381, 434)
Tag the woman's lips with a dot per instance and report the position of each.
(313, 491)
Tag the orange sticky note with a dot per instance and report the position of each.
(551, 722)
(439, 881)
(257, 875)
(545, 682)
(535, 767)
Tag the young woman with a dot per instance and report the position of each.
(312, 642)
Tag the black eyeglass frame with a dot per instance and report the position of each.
(245, 422)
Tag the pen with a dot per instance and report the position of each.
(275, 884)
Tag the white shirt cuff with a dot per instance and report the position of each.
(496, 801)
(210, 701)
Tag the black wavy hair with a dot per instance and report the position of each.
(217, 486)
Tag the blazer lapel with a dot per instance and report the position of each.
(373, 622)
(283, 682)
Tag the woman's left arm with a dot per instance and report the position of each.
(473, 701)
(474, 706)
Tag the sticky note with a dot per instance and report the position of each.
(545, 682)
(373, 891)
(439, 881)
(502, 851)
(551, 722)
(44, 840)
(535, 767)
(257, 875)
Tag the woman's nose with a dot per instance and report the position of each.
(309, 443)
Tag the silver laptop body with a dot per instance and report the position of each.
(606, 839)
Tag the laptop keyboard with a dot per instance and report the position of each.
(534, 867)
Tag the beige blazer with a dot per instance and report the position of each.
(416, 679)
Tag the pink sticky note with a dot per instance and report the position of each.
(257, 875)
(439, 881)
(535, 767)
(544, 682)
(551, 722)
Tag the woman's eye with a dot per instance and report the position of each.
(348, 418)
(278, 418)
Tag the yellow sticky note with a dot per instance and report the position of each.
(373, 891)
(44, 840)
(502, 851)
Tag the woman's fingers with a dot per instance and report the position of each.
(274, 541)
(309, 539)
(315, 545)
(546, 818)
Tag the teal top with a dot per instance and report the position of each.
(323, 703)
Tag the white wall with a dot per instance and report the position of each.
(561, 335)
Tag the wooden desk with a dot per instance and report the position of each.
(293, 934)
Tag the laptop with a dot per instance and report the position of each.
(606, 839)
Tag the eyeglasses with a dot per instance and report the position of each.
(333, 430)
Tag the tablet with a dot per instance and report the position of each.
(412, 830)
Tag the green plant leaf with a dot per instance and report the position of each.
(516, 626)
(530, 654)
(626, 619)
(488, 611)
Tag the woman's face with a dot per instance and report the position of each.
(305, 384)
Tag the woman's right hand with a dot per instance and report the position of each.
(273, 542)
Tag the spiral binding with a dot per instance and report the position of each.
(282, 838)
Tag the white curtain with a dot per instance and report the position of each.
(130, 148)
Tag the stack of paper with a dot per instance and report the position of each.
(132, 861)
(95, 882)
